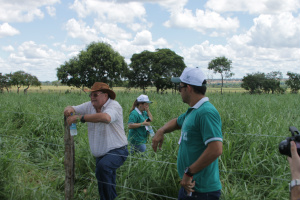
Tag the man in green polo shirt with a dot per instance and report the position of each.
(200, 141)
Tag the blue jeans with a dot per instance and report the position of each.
(106, 167)
(137, 148)
(199, 196)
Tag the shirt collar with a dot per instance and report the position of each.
(137, 110)
(200, 102)
(106, 103)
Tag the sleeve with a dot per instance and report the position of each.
(180, 119)
(114, 111)
(82, 108)
(210, 125)
(132, 118)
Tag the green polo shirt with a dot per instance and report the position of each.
(200, 125)
(138, 135)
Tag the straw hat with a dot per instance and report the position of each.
(100, 86)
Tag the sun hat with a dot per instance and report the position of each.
(100, 86)
(191, 76)
(143, 98)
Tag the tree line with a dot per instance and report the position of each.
(100, 62)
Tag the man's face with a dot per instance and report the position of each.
(98, 99)
(182, 89)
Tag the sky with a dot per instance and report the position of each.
(37, 36)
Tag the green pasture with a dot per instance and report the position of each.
(251, 168)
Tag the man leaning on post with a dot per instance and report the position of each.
(107, 139)
(201, 141)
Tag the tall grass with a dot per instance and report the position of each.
(32, 147)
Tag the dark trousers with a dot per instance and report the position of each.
(106, 167)
(199, 196)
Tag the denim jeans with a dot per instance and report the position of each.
(106, 167)
(137, 148)
(199, 196)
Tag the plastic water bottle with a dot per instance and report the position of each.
(73, 128)
(151, 132)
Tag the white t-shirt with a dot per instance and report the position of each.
(104, 137)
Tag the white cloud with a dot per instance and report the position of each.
(51, 11)
(112, 31)
(202, 21)
(36, 59)
(78, 29)
(254, 6)
(8, 48)
(23, 11)
(281, 30)
(108, 11)
(7, 30)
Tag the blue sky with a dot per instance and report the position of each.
(37, 36)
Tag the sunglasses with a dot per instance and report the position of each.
(95, 94)
(180, 87)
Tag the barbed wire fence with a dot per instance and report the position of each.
(69, 164)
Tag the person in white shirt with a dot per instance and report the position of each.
(107, 139)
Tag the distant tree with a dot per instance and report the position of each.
(167, 64)
(56, 83)
(30, 80)
(272, 82)
(155, 68)
(253, 82)
(260, 82)
(4, 82)
(17, 79)
(293, 82)
(140, 74)
(222, 66)
(98, 63)
(21, 78)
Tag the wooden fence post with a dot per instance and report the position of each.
(69, 162)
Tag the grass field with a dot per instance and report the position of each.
(32, 147)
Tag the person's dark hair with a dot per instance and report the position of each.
(135, 104)
(199, 89)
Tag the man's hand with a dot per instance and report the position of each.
(68, 110)
(158, 139)
(294, 162)
(187, 183)
(72, 119)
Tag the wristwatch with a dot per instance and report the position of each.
(294, 183)
(188, 172)
(82, 119)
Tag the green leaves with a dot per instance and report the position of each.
(98, 63)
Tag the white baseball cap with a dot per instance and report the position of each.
(191, 76)
(143, 98)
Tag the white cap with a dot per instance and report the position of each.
(191, 76)
(143, 98)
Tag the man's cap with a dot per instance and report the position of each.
(191, 76)
(143, 98)
(100, 86)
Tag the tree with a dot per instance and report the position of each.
(167, 64)
(155, 68)
(253, 82)
(4, 82)
(222, 66)
(272, 82)
(21, 78)
(30, 80)
(99, 62)
(293, 82)
(140, 74)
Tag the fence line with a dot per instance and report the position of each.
(57, 172)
